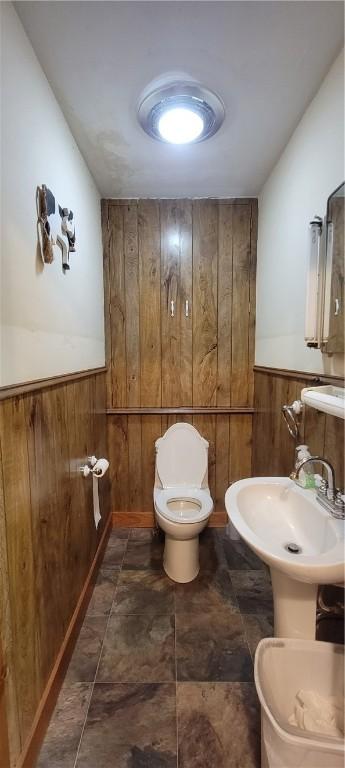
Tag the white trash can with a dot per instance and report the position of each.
(282, 668)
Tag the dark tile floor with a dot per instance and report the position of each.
(162, 673)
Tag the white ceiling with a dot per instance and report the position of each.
(265, 59)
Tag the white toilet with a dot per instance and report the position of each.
(182, 499)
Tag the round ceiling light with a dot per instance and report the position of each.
(182, 113)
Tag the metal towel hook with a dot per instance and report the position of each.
(291, 413)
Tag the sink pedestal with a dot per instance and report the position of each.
(294, 607)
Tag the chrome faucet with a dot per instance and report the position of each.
(327, 494)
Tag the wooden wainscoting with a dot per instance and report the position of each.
(50, 694)
(47, 534)
(273, 447)
(163, 355)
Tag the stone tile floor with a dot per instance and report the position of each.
(162, 673)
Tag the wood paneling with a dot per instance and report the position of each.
(273, 447)
(48, 538)
(164, 368)
(155, 252)
(49, 698)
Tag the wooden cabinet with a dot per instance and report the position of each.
(180, 316)
(158, 256)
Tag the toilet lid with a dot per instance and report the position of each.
(181, 457)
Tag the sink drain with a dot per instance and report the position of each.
(295, 549)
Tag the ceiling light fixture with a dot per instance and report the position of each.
(181, 113)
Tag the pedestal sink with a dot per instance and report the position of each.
(299, 540)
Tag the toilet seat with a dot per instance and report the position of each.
(162, 496)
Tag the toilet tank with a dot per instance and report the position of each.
(181, 458)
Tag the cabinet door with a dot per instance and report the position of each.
(205, 271)
(176, 290)
(149, 286)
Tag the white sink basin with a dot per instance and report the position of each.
(271, 513)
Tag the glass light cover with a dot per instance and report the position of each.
(180, 125)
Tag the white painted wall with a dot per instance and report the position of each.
(51, 323)
(310, 168)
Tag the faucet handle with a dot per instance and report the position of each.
(339, 506)
(323, 488)
(339, 498)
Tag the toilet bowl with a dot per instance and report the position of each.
(182, 500)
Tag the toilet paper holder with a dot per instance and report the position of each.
(94, 466)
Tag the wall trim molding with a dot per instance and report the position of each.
(47, 703)
(13, 390)
(145, 411)
(219, 200)
(323, 378)
(218, 519)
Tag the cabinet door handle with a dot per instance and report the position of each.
(172, 308)
(187, 308)
(336, 307)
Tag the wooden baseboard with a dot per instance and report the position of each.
(133, 519)
(46, 706)
(218, 519)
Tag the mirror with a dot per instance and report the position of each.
(333, 318)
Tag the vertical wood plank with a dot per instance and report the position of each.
(20, 553)
(8, 694)
(132, 303)
(170, 293)
(176, 270)
(107, 296)
(151, 429)
(99, 439)
(117, 306)
(4, 742)
(206, 426)
(222, 458)
(240, 302)
(82, 444)
(149, 272)
(314, 431)
(46, 417)
(334, 447)
(186, 294)
(205, 247)
(224, 303)
(240, 455)
(118, 457)
(252, 297)
(134, 463)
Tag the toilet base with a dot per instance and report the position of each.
(181, 559)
